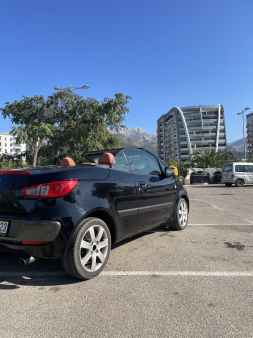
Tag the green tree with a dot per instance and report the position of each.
(13, 161)
(181, 167)
(66, 122)
(171, 162)
(34, 119)
(209, 158)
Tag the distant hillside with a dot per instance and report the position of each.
(129, 142)
(137, 134)
(237, 145)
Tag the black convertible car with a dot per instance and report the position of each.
(75, 213)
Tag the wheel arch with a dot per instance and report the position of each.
(102, 214)
(239, 179)
(187, 200)
(105, 216)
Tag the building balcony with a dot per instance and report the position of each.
(203, 135)
(202, 128)
(188, 116)
(191, 122)
(203, 148)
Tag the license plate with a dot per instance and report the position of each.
(3, 228)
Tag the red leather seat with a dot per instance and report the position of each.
(107, 158)
(68, 162)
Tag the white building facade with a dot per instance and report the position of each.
(9, 146)
(182, 131)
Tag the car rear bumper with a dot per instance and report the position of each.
(228, 180)
(32, 231)
(48, 232)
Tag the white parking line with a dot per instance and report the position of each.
(247, 220)
(46, 274)
(216, 224)
(232, 213)
(178, 273)
(216, 207)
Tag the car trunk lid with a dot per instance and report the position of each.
(11, 199)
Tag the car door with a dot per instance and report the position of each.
(123, 195)
(239, 173)
(155, 193)
(249, 173)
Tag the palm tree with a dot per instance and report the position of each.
(209, 158)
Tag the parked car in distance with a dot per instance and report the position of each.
(238, 173)
(76, 212)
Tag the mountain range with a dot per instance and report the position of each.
(137, 137)
(136, 133)
(237, 145)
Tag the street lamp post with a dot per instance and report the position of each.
(242, 113)
(73, 88)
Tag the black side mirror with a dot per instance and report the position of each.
(169, 172)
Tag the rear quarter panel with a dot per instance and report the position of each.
(116, 193)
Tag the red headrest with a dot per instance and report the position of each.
(107, 158)
(67, 161)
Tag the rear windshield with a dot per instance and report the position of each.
(227, 167)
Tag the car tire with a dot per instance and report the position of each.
(89, 249)
(181, 217)
(239, 183)
(228, 184)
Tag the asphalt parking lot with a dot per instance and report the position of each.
(163, 283)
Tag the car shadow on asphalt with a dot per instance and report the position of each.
(47, 273)
(40, 273)
(161, 228)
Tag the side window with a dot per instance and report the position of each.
(248, 168)
(239, 168)
(121, 162)
(142, 162)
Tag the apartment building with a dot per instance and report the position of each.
(184, 130)
(249, 125)
(8, 144)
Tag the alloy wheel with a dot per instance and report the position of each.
(183, 213)
(94, 248)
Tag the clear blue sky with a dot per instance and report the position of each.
(162, 53)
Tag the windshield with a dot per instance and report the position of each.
(227, 167)
(95, 159)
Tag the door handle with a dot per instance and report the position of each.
(142, 183)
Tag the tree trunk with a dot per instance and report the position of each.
(37, 146)
(35, 154)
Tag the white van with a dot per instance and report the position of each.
(238, 173)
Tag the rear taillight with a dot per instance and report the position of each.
(15, 172)
(33, 243)
(49, 190)
(232, 176)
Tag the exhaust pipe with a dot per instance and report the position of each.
(26, 261)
